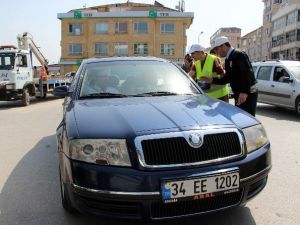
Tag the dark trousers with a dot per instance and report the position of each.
(249, 105)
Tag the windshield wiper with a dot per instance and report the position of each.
(104, 95)
(159, 93)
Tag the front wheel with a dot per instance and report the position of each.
(297, 105)
(25, 97)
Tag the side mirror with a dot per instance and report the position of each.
(287, 80)
(62, 91)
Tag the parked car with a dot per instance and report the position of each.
(139, 140)
(279, 83)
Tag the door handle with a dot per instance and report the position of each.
(272, 85)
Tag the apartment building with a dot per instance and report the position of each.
(233, 34)
(125, 29)
(271, 8)
(286, 32)
(251, 43)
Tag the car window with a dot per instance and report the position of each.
(264, 73)
(135, 78)
(279, 74)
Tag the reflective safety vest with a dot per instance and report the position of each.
(44, 74)
(216, 90)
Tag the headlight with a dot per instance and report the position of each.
(256, 137)
(10, 86)
(102, 151)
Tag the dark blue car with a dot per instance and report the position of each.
(140, 140)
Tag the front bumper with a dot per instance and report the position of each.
(7, 94)
(129, 193)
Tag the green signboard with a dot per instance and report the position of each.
(152, 13)
(77, 14)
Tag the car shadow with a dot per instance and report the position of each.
(18, 103)
(31, 195)
(277, 113)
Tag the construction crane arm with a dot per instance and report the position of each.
(26, 42)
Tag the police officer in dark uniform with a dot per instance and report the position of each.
(239, 73)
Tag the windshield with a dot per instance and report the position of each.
(134, 78)
(295, 71)
(7, 61)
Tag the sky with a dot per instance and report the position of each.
(39, 18)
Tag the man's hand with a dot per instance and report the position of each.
(192, 74)
(242, 98)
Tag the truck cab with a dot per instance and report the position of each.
(19, 79)
(16, 74)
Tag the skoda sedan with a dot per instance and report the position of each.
(140, 140)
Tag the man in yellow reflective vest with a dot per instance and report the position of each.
(208, 65)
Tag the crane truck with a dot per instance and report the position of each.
(19, 80)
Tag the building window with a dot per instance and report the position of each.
(291, 18)
(75, 49)
(75, 29)
(141, 48)
(121, 27)
(184, 30)
(101, 48)
(279, 24)
(167, 28)
(167, 49)
(141, 27)
(101, 28)
(121, 49)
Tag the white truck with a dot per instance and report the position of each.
(18, 78)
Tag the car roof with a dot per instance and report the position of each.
(117, 59)
(277, 62)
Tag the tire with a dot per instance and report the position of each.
(297, 105)
(25, 97)
(65, 198)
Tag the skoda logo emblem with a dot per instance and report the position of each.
(195, 140)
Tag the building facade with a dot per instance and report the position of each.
(286, 32)
(126, 29)
(271, 7)
(251, 43)
(233, 34)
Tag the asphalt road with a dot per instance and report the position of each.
(29, 184)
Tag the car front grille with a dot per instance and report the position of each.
(176, 150)
(163, 210)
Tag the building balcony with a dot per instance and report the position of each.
(285, 45)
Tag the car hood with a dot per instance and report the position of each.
(120, 117)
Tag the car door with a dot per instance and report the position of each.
(24, 70)
(282, 91)
(263, 83)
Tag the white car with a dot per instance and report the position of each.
(278, 83)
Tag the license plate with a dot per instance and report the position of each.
(200, 187)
